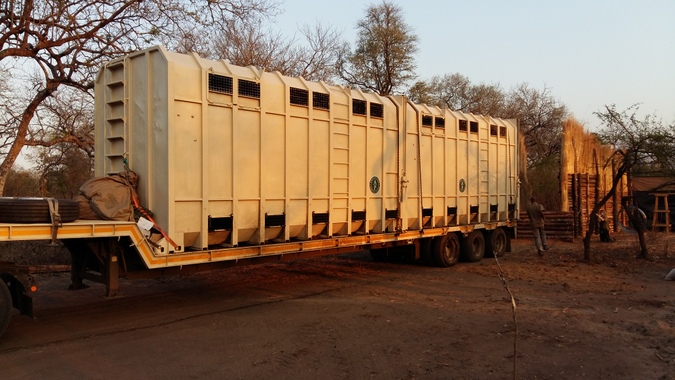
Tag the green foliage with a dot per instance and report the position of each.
(382, 60)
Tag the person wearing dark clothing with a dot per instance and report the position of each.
(536, 213)
(603, 227)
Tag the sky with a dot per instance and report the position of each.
(588, 53)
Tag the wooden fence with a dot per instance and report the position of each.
(583, 191)
(559, 225)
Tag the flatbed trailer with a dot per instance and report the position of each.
(130, 244)
(241, 166)
(105, 251)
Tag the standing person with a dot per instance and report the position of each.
(603, 226)
(536, 213)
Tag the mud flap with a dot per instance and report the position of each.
(20, 287)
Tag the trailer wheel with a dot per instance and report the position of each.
(5, 306)
(473, 246)
(36, 210)
(427, 251)
(445, 251)
(495, 242)
(379, 254)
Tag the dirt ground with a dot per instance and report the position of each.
(347, 317)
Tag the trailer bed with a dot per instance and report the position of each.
(155, 258)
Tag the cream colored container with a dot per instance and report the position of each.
(231, 155)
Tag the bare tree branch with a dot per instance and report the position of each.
(382, 60)
(67, 41)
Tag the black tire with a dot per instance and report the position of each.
(36, 210)
(5, 306)
(427, 251)
(445, 250)
(473, 247)
(379, 255)
(390, 254)
(495, 242)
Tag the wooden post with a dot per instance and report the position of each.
(586, 198)
(657, 221)
(597, 176)
(615, 210)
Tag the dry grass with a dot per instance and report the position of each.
(661, 245)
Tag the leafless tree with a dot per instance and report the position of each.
(456, 92)
(541, 117)
(251, 44)
(321, 53)
(62, 169)
(540, 114)
(63, 163)
(637, 141)
(22, 183)
(66, 118)
(60, 43)
(449, 90)
(382, 60)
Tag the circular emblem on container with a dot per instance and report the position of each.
(462, 185)
(374, 184)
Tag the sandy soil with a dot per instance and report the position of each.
(349, 317)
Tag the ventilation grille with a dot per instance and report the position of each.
(376, 110)
(473, 126)
(220, 84)
(440, 122)
(299, 97)
(463, 125)
(249, 89)
(358, 107)
(427, 120)
(320, 100)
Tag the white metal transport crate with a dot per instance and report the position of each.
(231, 155)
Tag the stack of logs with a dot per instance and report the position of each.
(559, 225)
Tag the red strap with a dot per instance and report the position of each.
(145, 214)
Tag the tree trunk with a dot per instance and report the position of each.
(22, 131)
(593, 220)
(638, 222)
(644, 252)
